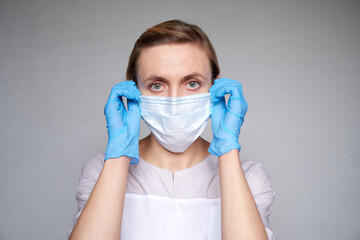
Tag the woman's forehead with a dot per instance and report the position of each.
(173, 59)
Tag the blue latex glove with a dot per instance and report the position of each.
(227, 120)
(123, 126)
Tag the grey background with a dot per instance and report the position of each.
(299, 62)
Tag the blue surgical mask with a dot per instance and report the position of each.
(176, 122)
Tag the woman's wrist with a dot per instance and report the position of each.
(120, 162)
(232, 154)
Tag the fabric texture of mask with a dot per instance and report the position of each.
(176, 122)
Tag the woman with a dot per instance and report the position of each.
(167, 185)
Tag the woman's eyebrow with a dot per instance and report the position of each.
(154, 78)
(194, 75)
(187, 77)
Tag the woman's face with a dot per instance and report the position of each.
(173, 70)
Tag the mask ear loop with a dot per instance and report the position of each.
(140, 108)
(211, 106)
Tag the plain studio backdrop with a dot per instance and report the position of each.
(298, 61)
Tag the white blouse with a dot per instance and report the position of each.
(186, 206)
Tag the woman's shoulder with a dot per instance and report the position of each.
(256, 174)
(249, 166)
(93, 166)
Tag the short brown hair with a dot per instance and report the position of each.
(168, 32)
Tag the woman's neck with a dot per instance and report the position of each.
(155, 154)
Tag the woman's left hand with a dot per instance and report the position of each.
(226, 120)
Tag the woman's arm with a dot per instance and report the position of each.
(102, 214)
(239, 214)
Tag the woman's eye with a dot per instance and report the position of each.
(193, 84)
(156, 86)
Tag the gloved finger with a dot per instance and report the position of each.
(132, 85)
(133, 106)
(219, 109)
(221, 87)
(225, 86)
(217, 83)
(213, 89)
(237, 106)
(115, 115)
(233, 122)
(124, 89)
(133, 116)
(114, 108)
(220, 104)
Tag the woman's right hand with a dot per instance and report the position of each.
(123, 126)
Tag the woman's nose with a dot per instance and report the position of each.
(175, 92)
